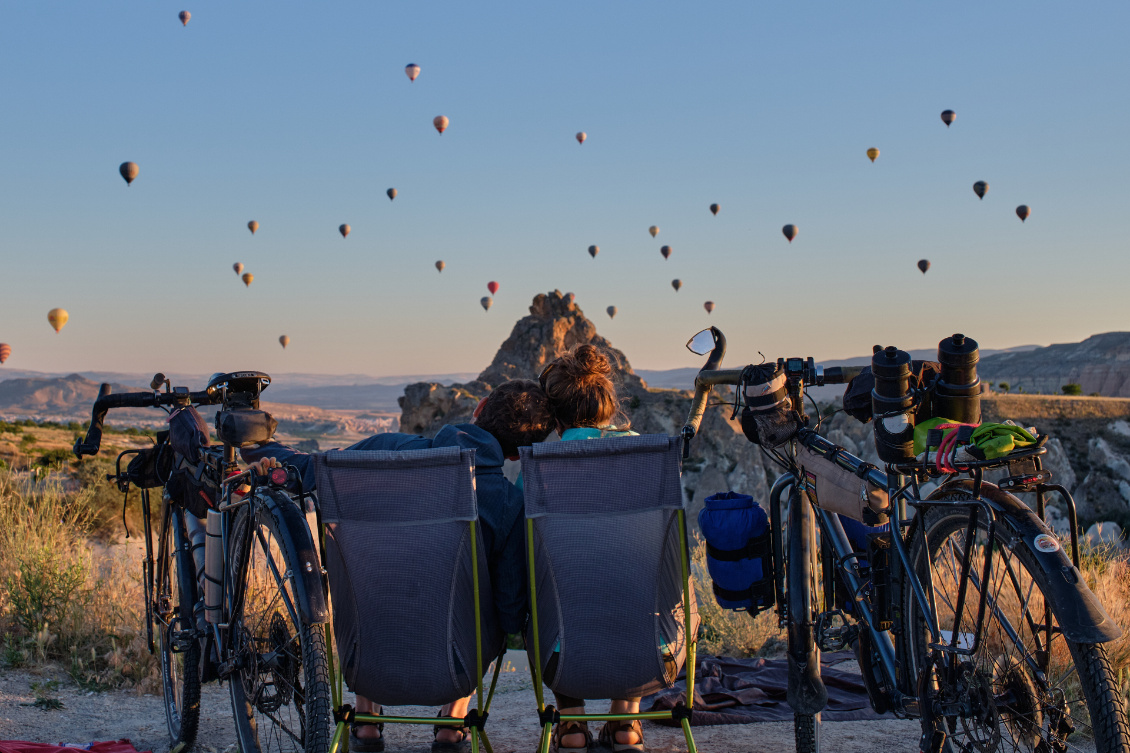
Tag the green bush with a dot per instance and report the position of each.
(1004, 386)
(54, 458)
(1072, 389)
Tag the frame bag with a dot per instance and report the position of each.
(739, 551)
(838, 490)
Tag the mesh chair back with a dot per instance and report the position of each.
(607, 564)
(398, 552)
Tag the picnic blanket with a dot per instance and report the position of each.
(19, 746)
(741, 691)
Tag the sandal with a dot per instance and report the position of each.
(367, 744)
(569, 728)
(608, 735)
(449, 747)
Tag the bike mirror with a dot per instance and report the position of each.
(702, 343)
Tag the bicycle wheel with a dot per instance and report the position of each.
(280, 691)
(178, 646)
(803, 606)
(1025, 688)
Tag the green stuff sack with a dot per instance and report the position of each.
(998, 440)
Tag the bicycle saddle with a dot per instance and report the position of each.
(239, 381)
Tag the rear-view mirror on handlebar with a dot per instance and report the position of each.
(702, 343)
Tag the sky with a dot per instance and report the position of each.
(300, 116)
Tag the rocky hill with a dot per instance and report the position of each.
(55, 396)
(1100, 364)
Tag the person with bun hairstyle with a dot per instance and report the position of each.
(583, 404)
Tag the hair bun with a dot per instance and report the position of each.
(590, 360)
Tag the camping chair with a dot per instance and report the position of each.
(612, 611)
(409, 584)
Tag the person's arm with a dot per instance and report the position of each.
(286, 456)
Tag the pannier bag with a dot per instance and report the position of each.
(768, 418)
(838, 490)
(739, 551)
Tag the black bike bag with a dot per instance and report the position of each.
(151, 467)
(243, 428)
(768, 418)
(739, 551)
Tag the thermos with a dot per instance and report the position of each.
(892, 404)
(957, 393)
(197, 542)
(213, 569)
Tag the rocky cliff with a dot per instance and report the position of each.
(1100, 364)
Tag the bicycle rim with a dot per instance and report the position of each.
(1023, 688)
(280, 691)
(180, 660)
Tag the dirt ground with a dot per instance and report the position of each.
(86, 717)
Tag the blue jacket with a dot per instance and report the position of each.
(500, 505)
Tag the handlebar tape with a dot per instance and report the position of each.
(93, 441)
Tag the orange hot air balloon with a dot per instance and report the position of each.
(485, 302)
(284, 341)
(391, 193)
(611, 312)
(666, 251)
(129, 171)
(492, 286)
(789, 231)
(344, 230)
(676, 284)
(593, 251)
(247, 278)
(253, 226)
(980, 188)
(570, 297)
(948, 116)
(58, 318)
(440, 122)
(872, 153)
(412, 70)
(654, 230)
(5, 351)
(714, 209)
(238, 267)
(1023, 211)
(440, 265)
(184, 17)
(709, 306)
(923, 265)
(581, 136)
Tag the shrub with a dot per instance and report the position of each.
(54, 458)
(1072, 389)
(723, 631)
(1004, 386)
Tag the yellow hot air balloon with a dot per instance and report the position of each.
(872, 153)
(58, 318)
(253, 226)
(238, 267)
(440, 122)
(284, 341)
(184, 17)
(129, 171)
(440, 265)
(412, 70)
(654, 230)
(247, 278)
(581, 136)
(344, 230)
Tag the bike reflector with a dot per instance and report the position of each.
(277, 476)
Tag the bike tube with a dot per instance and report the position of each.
(775, 519)
(186, 568)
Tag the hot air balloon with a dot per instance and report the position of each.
(872, 153)
(714, 209)
(253, 226)
(440, 265)
(654, 230)
(570, 297)
(980, 188)
(391, 193)
(593, 251)
(440, 122)
(923, 265)
(611, 312)
(666, 251)
(238, 267)
(184, 17)
(492, 286)
(676, 284)
(485, 302)
(1023, 211)
(129, 171)
(412, 70)
(789, 231)
(948, 116)
(5, 351)
(284, 341)
(709, 306)
(58, 318)
(344, 230)
(581, 136)
(247, 278)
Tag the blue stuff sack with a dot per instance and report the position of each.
(739, 551)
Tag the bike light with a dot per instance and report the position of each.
(277, 476)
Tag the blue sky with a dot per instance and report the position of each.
(300, 116)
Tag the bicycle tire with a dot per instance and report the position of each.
(180, 669)
(806, 731)
(259, 694)
(802, 595)
(1027, 714)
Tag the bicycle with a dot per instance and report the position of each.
(968, 615)
(237, 592)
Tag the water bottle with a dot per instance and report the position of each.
(197, 541)
(957, 393)
(892, 398)
(213, 569)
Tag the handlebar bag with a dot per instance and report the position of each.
(150, 468)
(244, 428)
(838, 490)
(739, 551)
(188, 436)
(857, 395)
(768, 418)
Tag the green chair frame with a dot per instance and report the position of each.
(346, 716)
(548, 715)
